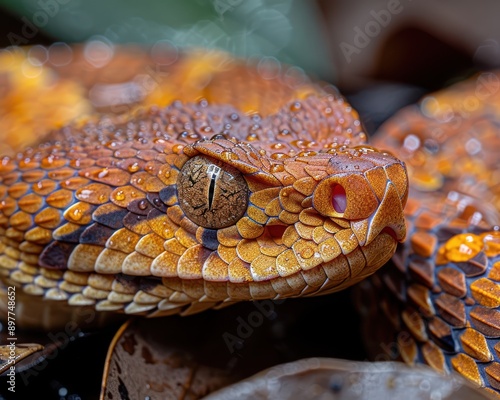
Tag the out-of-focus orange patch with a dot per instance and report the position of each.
(33, 101)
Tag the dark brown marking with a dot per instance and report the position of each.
(155, 200)
(209, 239)
(136, 223)
(110, 215)
(72, 236)
(96, 234)
(140, 206)
(56, 255)
(167, 193)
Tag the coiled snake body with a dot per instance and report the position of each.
(264, 189)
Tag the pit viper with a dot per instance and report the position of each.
(252, 182)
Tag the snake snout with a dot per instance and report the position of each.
(369, 196)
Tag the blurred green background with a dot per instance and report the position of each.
(408, 47)
(285, 29)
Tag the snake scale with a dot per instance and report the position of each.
(264, 188)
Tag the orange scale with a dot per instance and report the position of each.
(60, 198)
(44, 187)
(108, 176)
(146, 182)
(124, 195)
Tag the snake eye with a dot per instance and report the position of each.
(212, 194)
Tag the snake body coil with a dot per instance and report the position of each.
(438, 302)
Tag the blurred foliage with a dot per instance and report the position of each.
(290, 30)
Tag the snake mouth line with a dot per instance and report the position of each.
(391, 233)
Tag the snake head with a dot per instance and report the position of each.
(165, 219)
(327, 218)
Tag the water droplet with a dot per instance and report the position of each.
(76, 214)
(307, 252)
(120, 195)
(279, 156)
(47, 161)
(306, 153)
(300, 143)
(463, 247)
(228, 155)
(143, 204)
(177, 149)
(276, 168)
(168, 232)
(103, 173)
(491, 242)
(85, 194)
(296, 106)
(133, 167)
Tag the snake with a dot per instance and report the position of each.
(196, 206)
(253, 183)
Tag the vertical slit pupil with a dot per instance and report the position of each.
(339, 199)
(213, 172)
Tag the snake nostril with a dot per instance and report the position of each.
(276, 231)
(339, 199)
